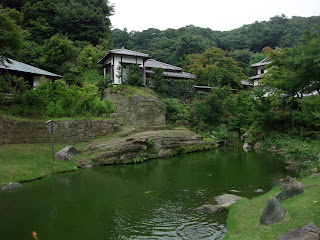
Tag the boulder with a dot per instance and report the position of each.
(290, 181)
(293, 167)
(259, 190)
(314, 170)
(258, 145)
(246, 146)
(67, 153)
(308, 232)
(208, 208)
(244, 136)
(12, 186)
(290, 188)
(226, 200)
(274, 212)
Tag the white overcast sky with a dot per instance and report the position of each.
(220, 15)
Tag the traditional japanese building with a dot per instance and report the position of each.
(261, 68)
(170, 71)
(122, 58)
(30, 73)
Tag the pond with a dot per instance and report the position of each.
(152, 200)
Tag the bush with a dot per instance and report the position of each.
(308, 113)
(177, 113)
(60, 100)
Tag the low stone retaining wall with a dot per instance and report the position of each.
(66, 131)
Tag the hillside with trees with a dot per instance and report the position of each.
(173, 45)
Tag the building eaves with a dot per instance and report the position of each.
(13, 65)
(257, 76)
(246, 83)
(126, 52)
(151, 63)
(182, 75)
(264, 62)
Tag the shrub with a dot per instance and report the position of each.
(60, 100)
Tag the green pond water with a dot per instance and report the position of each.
(152, 200)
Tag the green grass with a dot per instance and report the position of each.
(244, 216)
(24, 162)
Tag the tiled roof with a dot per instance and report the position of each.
(246, 83)
(264, 62)
(22, 67)
(127, 52)
(151, 63)
(182, 75)
(258, 76)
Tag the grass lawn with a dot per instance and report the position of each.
(23, 162)
(244, 216)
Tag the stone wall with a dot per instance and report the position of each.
(66, 131)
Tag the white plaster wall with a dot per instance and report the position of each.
(117, 63)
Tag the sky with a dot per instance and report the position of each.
(222, 15)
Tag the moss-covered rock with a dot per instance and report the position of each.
(146, 145)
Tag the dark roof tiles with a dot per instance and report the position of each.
(151, 63)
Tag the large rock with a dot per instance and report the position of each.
(67, 153)
(308, 232)
(145, 145)
(246, 146)
(140, 112)
(12, 186)
(208, 208)
(258, 145)
(290, 181)
(293, 167)
(226, 200)
(274, 212)
(290, 188)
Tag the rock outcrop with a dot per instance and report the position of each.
(308, 232)
(274, 212)
(145, 145)
(140, 112)
(12, 186)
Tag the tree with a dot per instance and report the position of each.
(134, 75)
(297, 69)
(214, 68)
(82, 20)
(11, 35)
(57, 50)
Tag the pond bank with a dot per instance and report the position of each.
(302, 209)
(25, 162)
